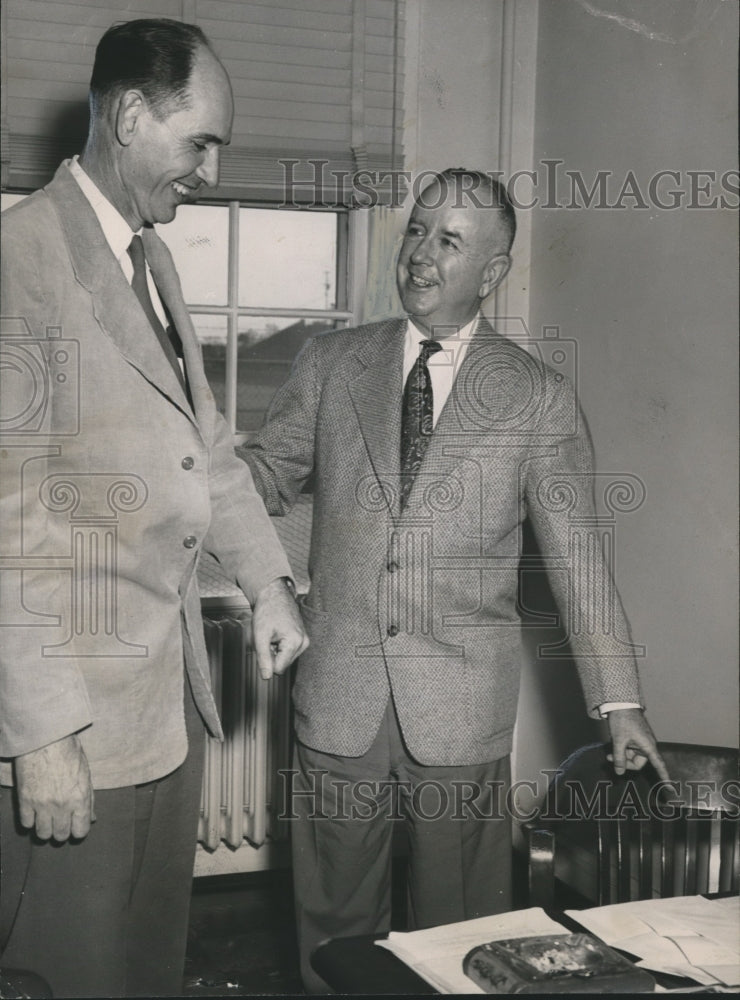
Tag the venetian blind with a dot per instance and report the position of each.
(317, 88)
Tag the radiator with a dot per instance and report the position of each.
(241, 788)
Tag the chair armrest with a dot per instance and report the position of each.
(540, 864)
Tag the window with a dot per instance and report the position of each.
(258, 283)
(6, 200)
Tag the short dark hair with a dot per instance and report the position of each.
(494, 196)
(153, 55)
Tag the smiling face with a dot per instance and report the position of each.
(450, 260)
(165, 161)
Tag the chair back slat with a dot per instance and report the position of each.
(624, 858)
(729, 875)
(604, 869)
(705, 828)
(646, 859)
(667, 859)
(692, 826)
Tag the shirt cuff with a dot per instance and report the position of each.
(615, 706)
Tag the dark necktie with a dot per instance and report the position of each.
(417, 419)
(169, 338)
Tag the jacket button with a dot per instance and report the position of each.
(393, 630)
(187, 462)
(393, 566)
(190, 542)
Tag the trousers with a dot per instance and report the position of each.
(107, 916)
(344, 810)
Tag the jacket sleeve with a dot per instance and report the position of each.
(42, 697)
(241, 534)
(559, 484)
(281, 455)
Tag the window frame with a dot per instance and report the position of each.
(349, 239)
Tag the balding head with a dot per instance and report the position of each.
(479, 191)
(158, 121)
(152, 55)
(455, 251)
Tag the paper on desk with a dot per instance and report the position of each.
(718, 919)
(436, 954)
(636, 937)
(688, 935)
(660, 949)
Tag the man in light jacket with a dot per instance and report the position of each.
(119, 472)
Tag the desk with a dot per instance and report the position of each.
(355, 965)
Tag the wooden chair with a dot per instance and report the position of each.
(610, 839)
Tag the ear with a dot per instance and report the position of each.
(129, 110)
(496, 270)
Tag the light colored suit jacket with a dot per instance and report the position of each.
(112, 487)
(422, 604)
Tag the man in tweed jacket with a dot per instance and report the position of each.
(410, 685)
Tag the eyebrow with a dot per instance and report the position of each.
(454, 234)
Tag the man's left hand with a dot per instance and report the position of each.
(277, 629)
(633, 743)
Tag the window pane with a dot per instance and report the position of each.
(287, 260)
(211, 332)
(198, 237)
(6, 200)
(267, 348)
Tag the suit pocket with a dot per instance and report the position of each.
(493, 683)
(315, 620)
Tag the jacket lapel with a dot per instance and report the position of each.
(115, 305)
(376, 394)
(168, 285)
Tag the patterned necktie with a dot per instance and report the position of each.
(169, 339)
(417, 420)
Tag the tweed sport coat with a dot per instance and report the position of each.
(112, 486)
(423, 603)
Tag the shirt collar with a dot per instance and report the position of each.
(451, 345)
(117, 232)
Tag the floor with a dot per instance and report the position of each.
(242, 939)
(242, 935)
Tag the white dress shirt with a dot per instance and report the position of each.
(117, 232)
(443, 368)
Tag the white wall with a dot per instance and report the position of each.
(452, 83)
(452, 73)
(650, 296)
